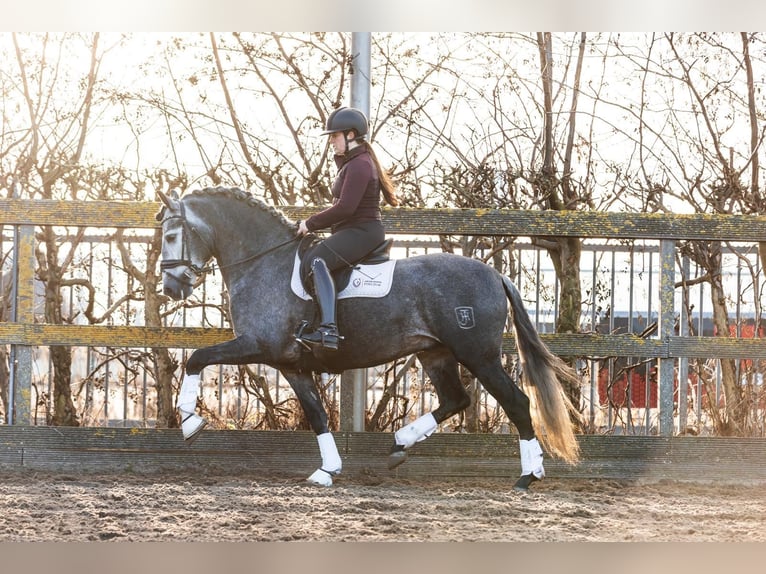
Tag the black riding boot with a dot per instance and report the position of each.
(324, 289)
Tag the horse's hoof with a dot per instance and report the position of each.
(522, 485)
(397, 456)
(192, 427)
(322, 477)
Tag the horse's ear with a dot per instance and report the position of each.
(168, 201)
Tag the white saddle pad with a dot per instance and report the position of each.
(366, 280)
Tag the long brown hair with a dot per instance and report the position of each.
(386, 184)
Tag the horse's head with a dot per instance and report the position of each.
(185, 252)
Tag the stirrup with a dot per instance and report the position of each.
(298, 335)
(326, 336)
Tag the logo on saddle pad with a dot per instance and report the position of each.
(371, 281)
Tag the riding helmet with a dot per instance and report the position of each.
(345, 119)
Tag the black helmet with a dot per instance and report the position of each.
(345, 119)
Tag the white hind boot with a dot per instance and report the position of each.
(418, 430)
(191, 423)
(531, 458)
(405, 437)
(331, 461)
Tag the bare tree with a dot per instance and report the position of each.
(53, 164)
(50, 164)
(162, 362)
(697, 98)
(559, 191)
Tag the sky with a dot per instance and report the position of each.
(392, 15)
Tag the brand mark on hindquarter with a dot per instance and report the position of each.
(464, 317)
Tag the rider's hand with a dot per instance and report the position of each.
(302, 229)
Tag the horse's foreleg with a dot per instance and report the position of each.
(191, 423)
(305, 390)
(331, 461)
(235, 352)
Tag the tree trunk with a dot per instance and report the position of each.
(471, 414)
(64, 412)
(559, 194)
(5, 376)
(733, 421)
(164, 364)
(164, 367)
(566, 261)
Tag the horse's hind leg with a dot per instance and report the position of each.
(516, 405)
(442, 369)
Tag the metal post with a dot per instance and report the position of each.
(353, 394)
(360, 71)
(666, 330)
(683, 362)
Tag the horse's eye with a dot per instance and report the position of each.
(171, 237)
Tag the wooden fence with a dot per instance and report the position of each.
(668, 229)
(443, 456)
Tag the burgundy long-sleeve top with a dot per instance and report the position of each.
(356, 193)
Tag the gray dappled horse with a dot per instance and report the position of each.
(446, 309)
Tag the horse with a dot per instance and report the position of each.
(446, 309)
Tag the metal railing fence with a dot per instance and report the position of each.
(624, 284)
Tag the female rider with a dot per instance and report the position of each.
(354, 218)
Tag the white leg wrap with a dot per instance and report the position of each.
(531, 458)
(416, 431)
(331, 461)
(187, 397)
(191, 423)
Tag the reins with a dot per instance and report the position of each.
(255, 256)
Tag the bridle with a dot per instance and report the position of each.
(193, 268)
(183, 262)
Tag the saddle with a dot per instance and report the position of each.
(380, 254)
(369, 277)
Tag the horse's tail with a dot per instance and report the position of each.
(551, 409)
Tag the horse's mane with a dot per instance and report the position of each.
(248, 198)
